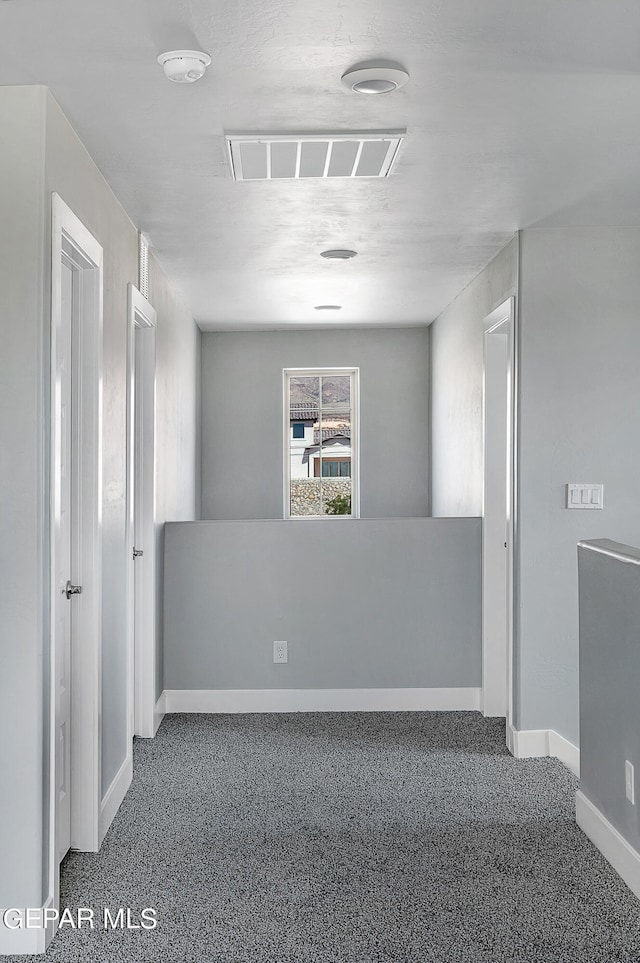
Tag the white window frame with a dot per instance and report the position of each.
(354, 374)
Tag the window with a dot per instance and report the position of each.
(321, 451)
(332, 468)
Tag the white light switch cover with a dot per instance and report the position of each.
(581, 495)
(629, 782)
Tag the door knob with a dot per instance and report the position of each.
(72, 589)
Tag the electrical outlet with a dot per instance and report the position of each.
(280, 652)
(629, 782)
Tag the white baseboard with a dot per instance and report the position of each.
(320, 700)
(529, 743)
(26, 941)
(532, 743)
(159, 712)
(565, 751)
(115, 794)
(614, 847)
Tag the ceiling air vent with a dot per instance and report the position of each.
(256, 157)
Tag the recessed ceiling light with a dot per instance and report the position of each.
(375, 78)
(339, 255)
(184, 66)
(328, 307)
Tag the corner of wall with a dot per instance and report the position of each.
(24, 521)
(457, 386)
(430, 424)
(198, 423)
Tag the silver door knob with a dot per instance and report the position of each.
(72, 589)
(137, 552)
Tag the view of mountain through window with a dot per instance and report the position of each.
(320, 439)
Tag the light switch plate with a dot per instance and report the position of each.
(585, 496)
(629, 782)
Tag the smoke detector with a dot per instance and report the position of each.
(184, 66)
(328, 307)
(376, 77)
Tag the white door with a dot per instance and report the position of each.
(75, 597)
(139, 540)
(498, 524)
(141, 497)
(63, 555)
(495, 536)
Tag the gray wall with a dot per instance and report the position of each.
(178, 406)
(70, 171)
(579, 330)
(362, 603)
(457, 345)
(579, 405)
(242, 461)
(22, 515)
(610, 650)
(41, 153)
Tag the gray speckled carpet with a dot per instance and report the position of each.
(348, 838)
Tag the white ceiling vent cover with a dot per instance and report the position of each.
(258, 157)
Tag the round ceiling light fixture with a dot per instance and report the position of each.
(376, 77)
(339, 254)
(184, 66)
(328, 307)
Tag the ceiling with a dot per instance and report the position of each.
(519, 113)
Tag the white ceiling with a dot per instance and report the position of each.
(519, 113)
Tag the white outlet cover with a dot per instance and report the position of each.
(280, 652)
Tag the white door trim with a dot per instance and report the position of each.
(141, 361)
(502, 320)
(69, 232)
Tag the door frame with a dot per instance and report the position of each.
(502, 320)
(143, 716)
(69, 233)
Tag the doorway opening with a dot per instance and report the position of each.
(75, 540)
(144, 715)
(498, 513)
